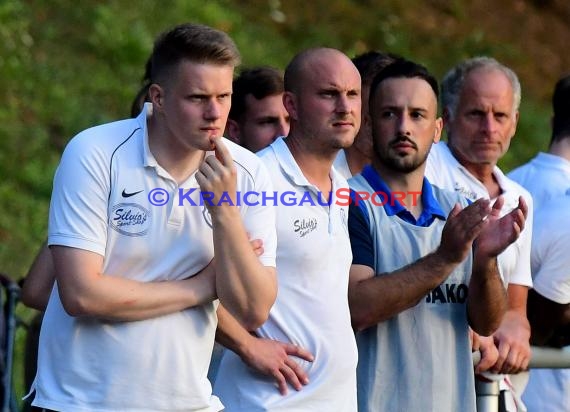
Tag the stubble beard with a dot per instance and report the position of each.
(401, 164)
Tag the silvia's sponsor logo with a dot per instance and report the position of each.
(304, 226)
(130, 219)
(466, 192)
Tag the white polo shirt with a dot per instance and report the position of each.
(341, 165)
(443, 170)
(106, 197)
(545, 176)
(311, 310)
(550, 257)
(548, 390)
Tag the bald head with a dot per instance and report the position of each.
(305, 63)
(322, 97)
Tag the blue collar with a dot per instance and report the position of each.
(392, 206)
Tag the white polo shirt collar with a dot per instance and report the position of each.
(292, 170)
(476, 189)
(288, 164)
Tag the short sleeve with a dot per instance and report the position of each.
(552, 268)
(360, 237)
(518, 264)
(259, 217)
(79, 202)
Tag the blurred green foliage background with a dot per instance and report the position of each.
(65, 66)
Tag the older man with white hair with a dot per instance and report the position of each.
(480, 100)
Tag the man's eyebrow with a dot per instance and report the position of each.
(392, 107)
(329, 89)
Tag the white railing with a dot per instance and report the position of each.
(541, 358)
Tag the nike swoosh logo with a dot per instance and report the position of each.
(125, 194)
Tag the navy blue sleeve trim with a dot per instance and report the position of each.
(360, 238)
(113, 157)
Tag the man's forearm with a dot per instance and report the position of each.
(549, 320)
(487, 300)
(245, 287)
(515, 322)
(230, 333)
(84, 291)
(39, 281)
(379, 298)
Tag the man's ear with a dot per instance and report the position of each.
(515, 123)
(446, 119)
(438, 129)
(232, 131)
(290, 103)
(156, 95)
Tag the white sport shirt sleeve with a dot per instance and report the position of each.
(521, 275)
(259, 216)
(550, 258)
(78, 208)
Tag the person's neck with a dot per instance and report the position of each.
(483, 172)
(179, 162)
(315, 165)
(561, 147)
(406, 186)
(356, 160)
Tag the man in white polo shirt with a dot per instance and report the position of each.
(547, 175)
(130, 325)
(548, 390)
(480, 101)
(547, 178)
(322, 96)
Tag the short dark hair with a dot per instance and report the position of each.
(369, 64)
(139, 100)
(142, 95)
(260, 82)
(561, 109)
(193, 42)
(402, 68)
